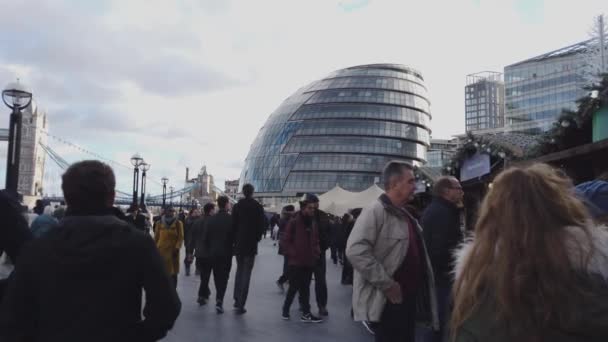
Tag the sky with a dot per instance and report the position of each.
(188, 83)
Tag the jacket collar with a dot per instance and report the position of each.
(576, 243)
(395, 210)
(442, 201)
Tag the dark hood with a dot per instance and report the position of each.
(95, 241)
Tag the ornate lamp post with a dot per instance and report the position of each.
(144, 167)
(136, 161)
(17, 97)
(164, 180)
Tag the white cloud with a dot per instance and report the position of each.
(191, 82)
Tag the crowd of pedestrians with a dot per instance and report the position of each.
(535, 269)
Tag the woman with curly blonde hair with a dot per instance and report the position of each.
(536, 268)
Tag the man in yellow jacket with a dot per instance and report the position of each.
(169, 237)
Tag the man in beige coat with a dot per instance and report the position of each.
(393, 279)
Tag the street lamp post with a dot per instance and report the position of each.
(136, 161)
(17, 97)
(165, 180)
(144, 167)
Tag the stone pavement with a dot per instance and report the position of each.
(263, 322)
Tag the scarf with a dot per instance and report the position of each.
(168, 222)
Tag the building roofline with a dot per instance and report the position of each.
(565, 51)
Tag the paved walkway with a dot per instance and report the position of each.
(263, 322)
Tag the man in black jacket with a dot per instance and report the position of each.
(137, 219)
(218, 241)
(442, 234)
(248, 225)
(200, 250)
(84, 280)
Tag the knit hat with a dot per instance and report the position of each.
(595, 196)
(311, 198)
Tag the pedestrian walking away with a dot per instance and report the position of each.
(218, 241)
(393, 283)
(169, 237)
(248, 225)
(301, 244)
(84, 280)
(193, 216)
(201, 251)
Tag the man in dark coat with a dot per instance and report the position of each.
(301, 244)
(85, 279)
(193, 216)
(136, 218)
(14, 232)
(442, 235)
(218, 241)
(200, 250)
(248, 225)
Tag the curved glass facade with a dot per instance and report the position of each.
(341, 130)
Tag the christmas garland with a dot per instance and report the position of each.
(473, 145)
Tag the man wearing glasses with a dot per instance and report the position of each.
(442, 234)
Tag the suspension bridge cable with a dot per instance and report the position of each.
(94, 154)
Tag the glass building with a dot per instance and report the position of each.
(537, 90)
(440, 152)
(484, 101)
(340, 130)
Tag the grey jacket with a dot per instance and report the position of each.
(376, 248)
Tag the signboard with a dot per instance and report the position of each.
(476, 166)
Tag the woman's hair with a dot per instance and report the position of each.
(520, 258)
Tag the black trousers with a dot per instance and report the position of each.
(285, 276)
(398, 322)
(220, 266)
(337, 254)
(299, 282)
(320, 271)
(244, 267)
(204, 267)
(347, 273)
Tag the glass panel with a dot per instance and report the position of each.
(375, 96)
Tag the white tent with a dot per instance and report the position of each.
(338, 201)
(337, 195)
(364, 198)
